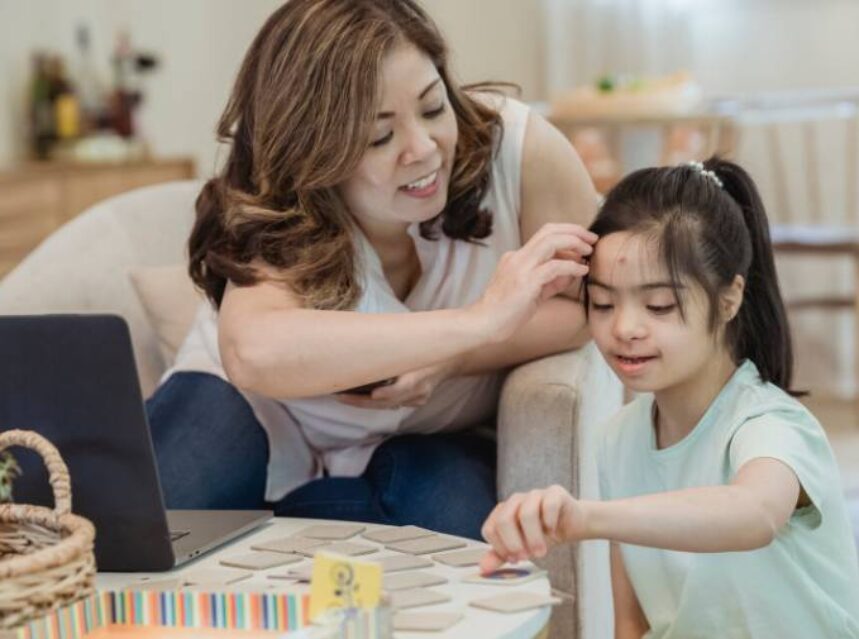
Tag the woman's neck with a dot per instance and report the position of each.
(680, 407)
(397, 253)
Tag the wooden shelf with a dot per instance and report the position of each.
(38, 198)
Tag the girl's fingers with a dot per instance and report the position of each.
(531, 523)
(551, 509)
(490, 562)
(490, 533)
(507, 528)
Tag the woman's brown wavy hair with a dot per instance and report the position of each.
(299, 120)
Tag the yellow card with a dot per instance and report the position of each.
(343, 582)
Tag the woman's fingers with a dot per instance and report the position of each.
(560, 228)
(551, 246)
(365, 401)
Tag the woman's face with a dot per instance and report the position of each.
(405, 173)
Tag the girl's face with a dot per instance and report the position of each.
(405, 173)
(635, 320)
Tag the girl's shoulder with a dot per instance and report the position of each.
(754, 397)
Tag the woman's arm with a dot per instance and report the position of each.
(555, 188)
(629, 619)
(270, 345)
(745, 515)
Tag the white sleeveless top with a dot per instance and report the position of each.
(312, 435)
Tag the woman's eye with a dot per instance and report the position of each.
(435, 112)
(600, 307)
(383, 140)
(661, 309)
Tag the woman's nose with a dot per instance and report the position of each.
(419, 145)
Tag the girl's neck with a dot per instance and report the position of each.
(680, 407)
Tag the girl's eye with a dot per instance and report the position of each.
(382, 141)
(435, 112)
(661, 310)
(600, 307)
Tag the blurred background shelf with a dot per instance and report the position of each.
(36, 198)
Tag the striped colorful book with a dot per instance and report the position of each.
(281, 612)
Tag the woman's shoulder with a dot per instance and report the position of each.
(513, 111)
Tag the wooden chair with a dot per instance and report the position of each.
(809, 147)
(613, 145)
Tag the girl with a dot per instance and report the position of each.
(722, 497)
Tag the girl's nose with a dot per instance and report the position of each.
(628, 324)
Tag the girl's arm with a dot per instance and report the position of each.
(745, 515)
(629, 619)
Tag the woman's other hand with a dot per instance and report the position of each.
(526, 525)
(545, 266)
(410, 389)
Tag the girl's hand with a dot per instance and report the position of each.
(527, 524)
(411, 389)
(545, 266)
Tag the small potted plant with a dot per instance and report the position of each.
(9, 470)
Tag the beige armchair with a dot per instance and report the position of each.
(549, 411)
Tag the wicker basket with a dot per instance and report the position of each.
(46, 556)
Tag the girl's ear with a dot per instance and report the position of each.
(732, 299)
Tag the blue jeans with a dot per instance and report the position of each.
(212, 453)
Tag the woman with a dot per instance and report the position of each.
(374, 224)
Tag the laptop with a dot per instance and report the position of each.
(72, 379)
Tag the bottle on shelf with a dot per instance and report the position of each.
(66, 107)
(42, 123)
(89, 89)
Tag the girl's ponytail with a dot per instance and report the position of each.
(760, 332)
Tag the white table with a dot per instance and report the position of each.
(475, 623)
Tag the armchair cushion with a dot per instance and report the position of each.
(170, 300)
(550, 412)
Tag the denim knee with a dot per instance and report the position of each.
(444, 482)
(211, 450)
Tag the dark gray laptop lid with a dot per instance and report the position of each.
(72, 379)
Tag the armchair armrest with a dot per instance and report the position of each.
(549, 414)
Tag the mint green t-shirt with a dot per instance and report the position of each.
(804, 585)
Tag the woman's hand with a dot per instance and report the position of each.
(545, 266)
(528, 524)
(410, 389)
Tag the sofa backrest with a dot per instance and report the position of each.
(83, 267)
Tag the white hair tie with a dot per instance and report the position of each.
(699, 166)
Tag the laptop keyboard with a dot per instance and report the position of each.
(178, 534)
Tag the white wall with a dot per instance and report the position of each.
(201, 44)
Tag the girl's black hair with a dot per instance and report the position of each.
(710, 233)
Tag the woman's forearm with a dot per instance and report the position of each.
(710, 519)
(342, 349)
(558, 325)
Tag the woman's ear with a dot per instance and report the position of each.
(732, 298)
